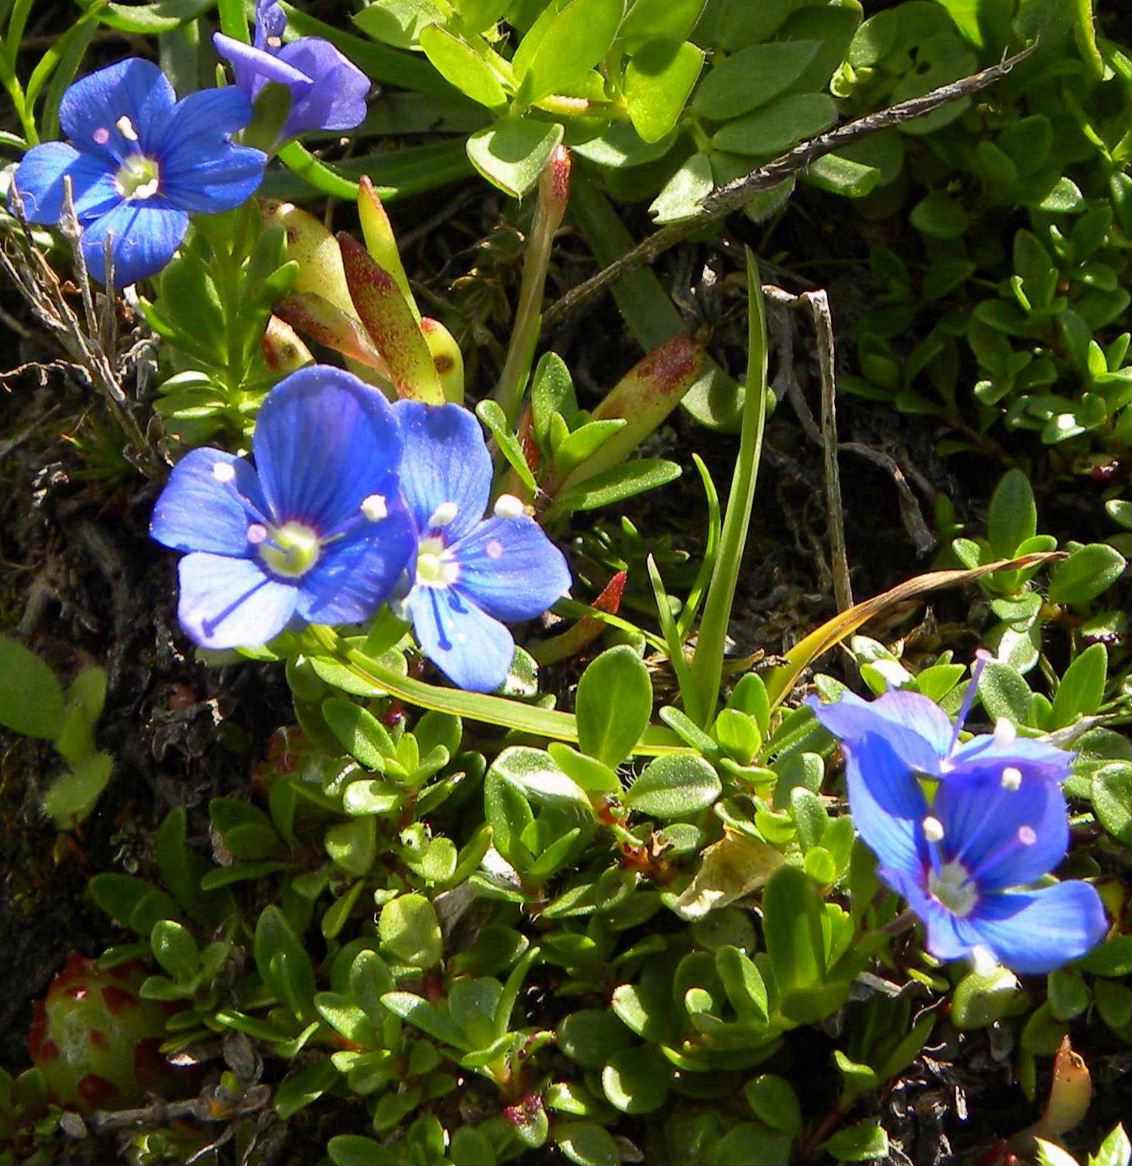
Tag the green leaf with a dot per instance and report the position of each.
(427, 1017)
(1112, 799)
(856, 1143)
(456, 61)
(658, 81)
(71, 796)
(636, 1080)
(568, 43)
(674, 786)
(1115, 1150)
(1013, 514)
(1089, 571)
(152, 19)
(778, 126)
(353, 845)
(775, 1103)
(359, 732)
(245, 829)
(587, 1144)
(940, 216)
(684, 191)
(175, 949)
(492, 415)
(752, 77)
(792, 923)
(353, 1149)
(304, 1086)
(1004, 692)
(513, 153)
(667, 20)
(31, 697)
(410, 932)
(609, 728)
(283, 963)
(398, 22)
(591, 1036)
(1081, 690)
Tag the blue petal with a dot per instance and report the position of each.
(145, 236)
(473, 650)
(253, 67)
(984, 755)
(987, 828)
(323, 443)
(39, 179)
(269, 21)
(221, 181)
(134, 88)
(336, 100)
(198, 513)
(202, 122)
(445, 460)
(231, 603)
(511, 569)
(914, 726)
(1037, 931)
(886, 803)
(356, 575)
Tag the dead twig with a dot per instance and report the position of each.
(735, 194)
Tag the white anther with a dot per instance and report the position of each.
(101, 135)
(126, 128)
(1027, 835)
(274, 42)
(223, 472)
(508, 506)
(443, 515)
(1012, 779)
(374, 507)
(933, 829)
(1005, 734)
(257, 533)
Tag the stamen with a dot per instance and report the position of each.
(374, 507)
(223, 472)
(933, 829)
(508, 506)
(1005, 734)
(274, 42)
(1027, 835)
(983, 960)
(126, 128)
(443, 515)
(1012, 779)
(982, 658)
(257, 533)
(101, 135)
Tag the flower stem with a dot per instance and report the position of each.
(707, 664)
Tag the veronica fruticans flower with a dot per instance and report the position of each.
(470, 572)
(328, 92)
(315, 533)
(139, 162)
(996, 823)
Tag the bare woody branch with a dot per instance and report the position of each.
(735, 194)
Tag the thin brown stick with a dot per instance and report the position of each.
(735, 194)
(818, 303)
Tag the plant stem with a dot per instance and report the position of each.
(553, 193)
(707, 665)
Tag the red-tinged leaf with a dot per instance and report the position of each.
(322, 321)
(390, 324)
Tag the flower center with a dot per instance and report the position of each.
(290, 550)
(952, 887)
(137, 177)
(435, 568)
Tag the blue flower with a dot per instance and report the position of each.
(315, 533)
(997, 822)
(328, 92)
(139, 162)
(470, 572)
